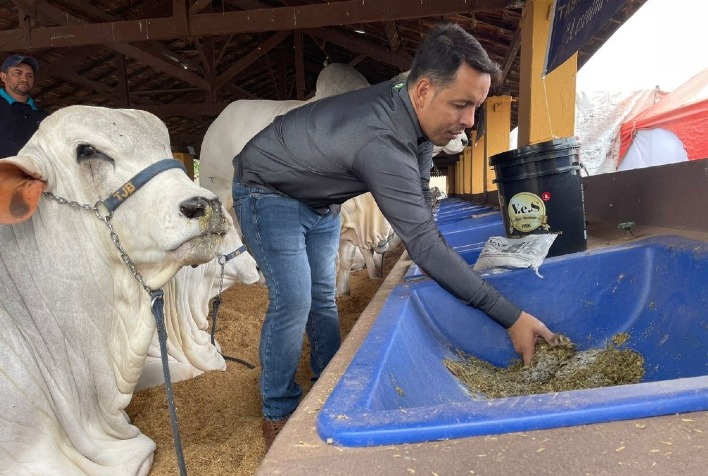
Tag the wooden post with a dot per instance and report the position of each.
(497, 113)
(451, 180)
(478, 166)
(546, 105)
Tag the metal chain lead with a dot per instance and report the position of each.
(222, 263)
(216, 303)
(114, 236)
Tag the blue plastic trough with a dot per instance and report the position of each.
(453, 212)
(467, 235)
(397, 389)
(469, 253)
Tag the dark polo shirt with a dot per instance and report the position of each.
(18, 122)
(328, 151)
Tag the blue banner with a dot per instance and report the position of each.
(574, 23)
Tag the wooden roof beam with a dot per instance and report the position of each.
(394, 40)
(67, 62)
(299, 66)
(248, 21)
(198, 6)
(50, 13)
(160, 65)
(403, 62)
(244, 62)
(168, 110)
(240, 92)
(284, 57)
(88, 83)
(511, 54)
(333, 13)
(155, 47)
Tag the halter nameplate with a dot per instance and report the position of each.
(223, 259)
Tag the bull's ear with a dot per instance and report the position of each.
(19, 193)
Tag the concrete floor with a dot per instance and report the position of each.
(664, 445)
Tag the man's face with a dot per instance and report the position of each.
(445, 112)
(18, 80)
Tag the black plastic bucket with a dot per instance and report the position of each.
(540, 191)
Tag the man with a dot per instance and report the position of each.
(19, 115)
(290, 179)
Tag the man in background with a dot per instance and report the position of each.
(19, 115)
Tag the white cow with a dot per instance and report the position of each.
(364, 228)
(455, 146)
(76, 323)
(435, 196)
(187, 297)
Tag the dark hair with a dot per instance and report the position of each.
(443, 50)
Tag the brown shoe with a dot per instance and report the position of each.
(271, 429)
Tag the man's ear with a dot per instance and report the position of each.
(421, 92)
(19, 193)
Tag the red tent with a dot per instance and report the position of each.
(684, 112)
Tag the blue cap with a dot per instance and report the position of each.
(16, 59)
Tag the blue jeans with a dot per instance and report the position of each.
(295, 248)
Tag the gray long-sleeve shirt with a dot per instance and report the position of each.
(331, 150)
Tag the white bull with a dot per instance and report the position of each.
(364, 228)
(187, 297)
(76, 323)
(455, 146)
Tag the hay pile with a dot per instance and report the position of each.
(553, 369)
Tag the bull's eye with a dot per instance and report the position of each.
(85, 151)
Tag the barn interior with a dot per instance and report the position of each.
(186, 61)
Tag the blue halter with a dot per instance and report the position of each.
(140, 179)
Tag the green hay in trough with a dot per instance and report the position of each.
(553, 369)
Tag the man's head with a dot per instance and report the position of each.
(450, 78)
(18, 75)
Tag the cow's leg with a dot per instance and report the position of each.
(373, 263)
(378, 265)
(346, 255)
(358, 262)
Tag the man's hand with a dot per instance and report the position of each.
(524, 333)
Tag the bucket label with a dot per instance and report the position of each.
(527, 212)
